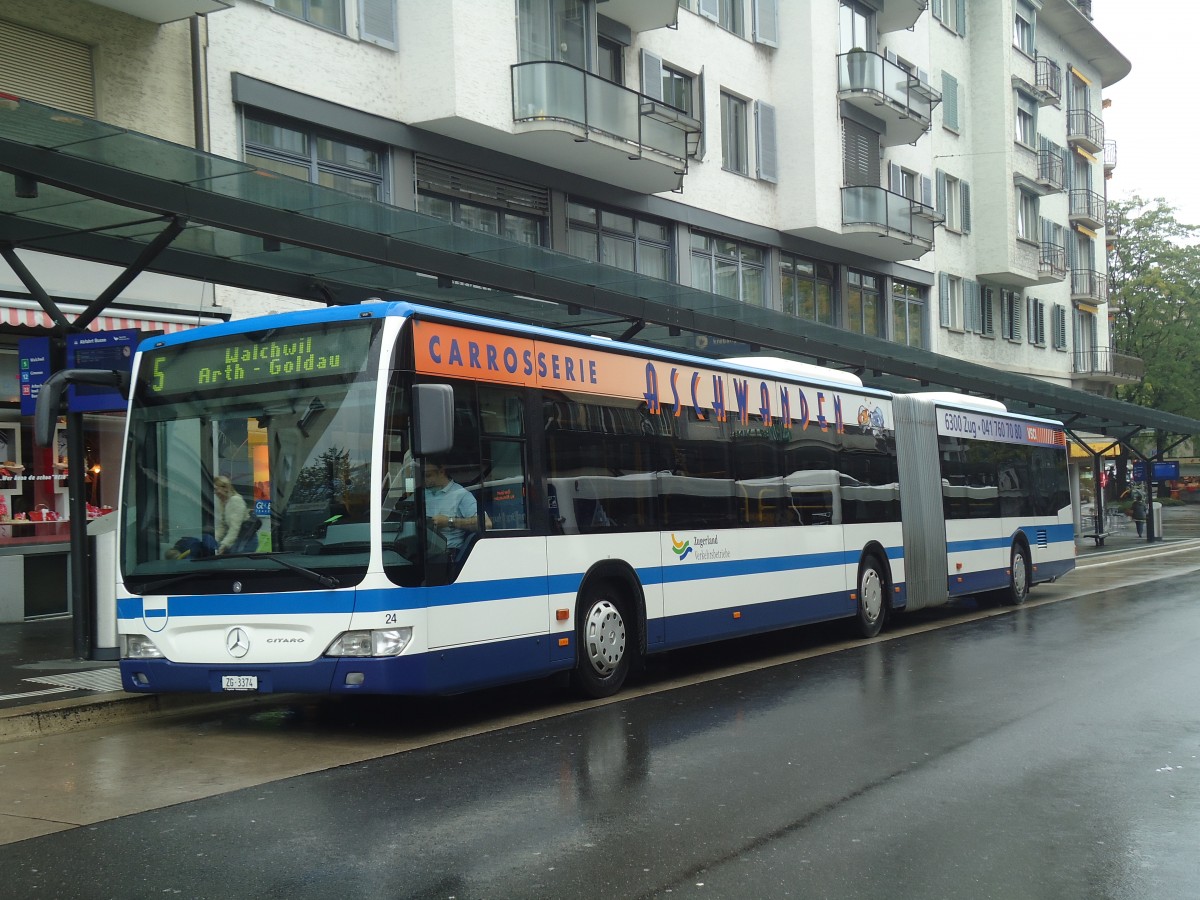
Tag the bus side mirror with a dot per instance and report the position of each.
(433, 419)
(49, 401)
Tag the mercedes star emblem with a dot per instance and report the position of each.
(237, 642)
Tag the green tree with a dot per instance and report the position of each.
(1154, 301)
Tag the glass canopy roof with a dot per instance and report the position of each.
(78, 187)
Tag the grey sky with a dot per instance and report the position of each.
(1151, 117)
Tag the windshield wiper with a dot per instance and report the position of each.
(324, 580)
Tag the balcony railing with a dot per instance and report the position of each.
(1104, 361)
(863, 72)
(872, 205)
(1052, 260)
(555, 91)
(1049, 79)
(1085, 129)
(1050, 169)
(1089, 285)
(1110, 156)
(1087, 207)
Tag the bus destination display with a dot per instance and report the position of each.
(239, 361)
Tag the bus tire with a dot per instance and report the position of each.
(1018, 576)
(872, 597)
(605, 641)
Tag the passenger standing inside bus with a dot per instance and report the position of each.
(232, 518)
(449, 506)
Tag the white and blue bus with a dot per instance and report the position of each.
(626, 501)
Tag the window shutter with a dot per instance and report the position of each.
(1032, 320)
(47, 69)
(710, 9)
(766, 23)
(926, 191)
(940, 204)
(652, 75)
(1060, 327)
(949, 100)
(938, 11)
(377, 22)
(699, 113)
(895, 179)
(987, 302)
(944, 298)
(965, 192)
(1016, 315)
(764, 141)
(860, 150)
(962, 16)
(971, 305)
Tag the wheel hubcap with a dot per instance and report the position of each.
(1019, 575)
(604, 637)
(870, 593)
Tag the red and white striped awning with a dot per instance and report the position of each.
(35, 317)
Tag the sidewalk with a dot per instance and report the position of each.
(44, 690)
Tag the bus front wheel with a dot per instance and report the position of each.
(603, 649)
(1018, 578)
(872, 597)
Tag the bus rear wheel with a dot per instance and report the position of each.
(603, 643)
(1018, 578)
(872, 597)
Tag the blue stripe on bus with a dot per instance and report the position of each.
(346, 602)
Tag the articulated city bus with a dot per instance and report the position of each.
(435, 502)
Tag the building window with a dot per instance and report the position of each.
(952, 14)
(950, 291)
(610, 60)
(806, 288)
(677, 89)
(724, 266)
(864, 305)
(908, 314)
(734, 157)
(856, 27)
(325, 158)
(729, 14)
(329, 14)
(1010, 315)
(481, 201)
(1059, 333)
(619, 239)
(1037, 322)
(555, 30)
(1026, 125)
(1027, 215)
(1023, 21)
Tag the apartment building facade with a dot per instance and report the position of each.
(928, 172)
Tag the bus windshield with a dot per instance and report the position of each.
(247, 453)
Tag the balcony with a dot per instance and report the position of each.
(160, 12)
(1088, 286)
(1086, 208)
(899, 15)
(1106, 366)
(1049, 81)
(1085, 129)
(1110, 157)
(1052, 262)
(641, 15)
(1050, 171)
(883, 89)
(871, 213)
(576, 121)
(1085, 6)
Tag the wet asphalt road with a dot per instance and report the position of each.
(1051, 752)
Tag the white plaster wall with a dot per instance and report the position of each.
(742, 68)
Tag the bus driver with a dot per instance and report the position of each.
(451, 508)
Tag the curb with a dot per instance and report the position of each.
(61, 716)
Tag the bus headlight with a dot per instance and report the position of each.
(138, 646)
(380, 642)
